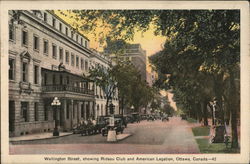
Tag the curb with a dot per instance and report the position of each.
(40, 138)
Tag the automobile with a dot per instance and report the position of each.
(135, 117)
(100, 123)
(118, 127)
(123, 119)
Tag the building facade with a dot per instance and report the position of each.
(47, 59)
(137, 56)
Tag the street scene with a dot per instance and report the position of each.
(157, 137)
(124, 82)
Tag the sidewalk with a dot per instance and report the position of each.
(38, 136)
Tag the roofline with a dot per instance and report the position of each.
(51, 12)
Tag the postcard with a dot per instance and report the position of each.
(125, 82)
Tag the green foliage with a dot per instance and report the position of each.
(201, 131)
(206, 147)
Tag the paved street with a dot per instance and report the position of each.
(157, 137)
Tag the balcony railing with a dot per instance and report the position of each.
(54, 88)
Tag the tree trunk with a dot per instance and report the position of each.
(233, 105)
(218, 89)
(204, 110)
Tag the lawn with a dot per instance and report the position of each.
(205, 147)
(201, 131)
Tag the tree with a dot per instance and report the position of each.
(104, 79)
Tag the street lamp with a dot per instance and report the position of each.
(132, 108)
(55, 104)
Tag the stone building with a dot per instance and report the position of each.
(47, 59)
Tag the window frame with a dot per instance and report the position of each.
(72, 61)
(61, 54)
(54, 22)
(27, 38)
(36, 74)
(26, 71)
(77, 61)
(14, 69)
(38, 43)
(46, 53)
(45, 17)
(54, 54)
(67, 56)
(13, 33)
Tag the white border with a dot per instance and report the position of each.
(243, 157)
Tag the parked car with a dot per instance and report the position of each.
(123, 119)
(118, 127)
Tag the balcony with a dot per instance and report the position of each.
(56, 88)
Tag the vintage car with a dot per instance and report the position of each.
(118, 126)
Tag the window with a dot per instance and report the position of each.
(36, 74)
(66, 31)
(86, 65)
(81, 41)
(61, 54)
(36, 42)
(72, 59)
(53, 22)
(24, 111)
(60, 27)
(11, 33)
(72, 34)
(45, 47)
(54, 55)
(86, 44)
(82, 64)
(67, 57)
(25, 38)
(11, 69)
(77, 61)
(77, 38)
(25, 72)
(36, 111)
(45, 17)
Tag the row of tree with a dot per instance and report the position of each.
(199, 61)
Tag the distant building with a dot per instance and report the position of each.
(137, 56)
(48, 59)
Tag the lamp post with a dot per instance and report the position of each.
(55, 104)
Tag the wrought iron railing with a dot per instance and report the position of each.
(53, 88)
